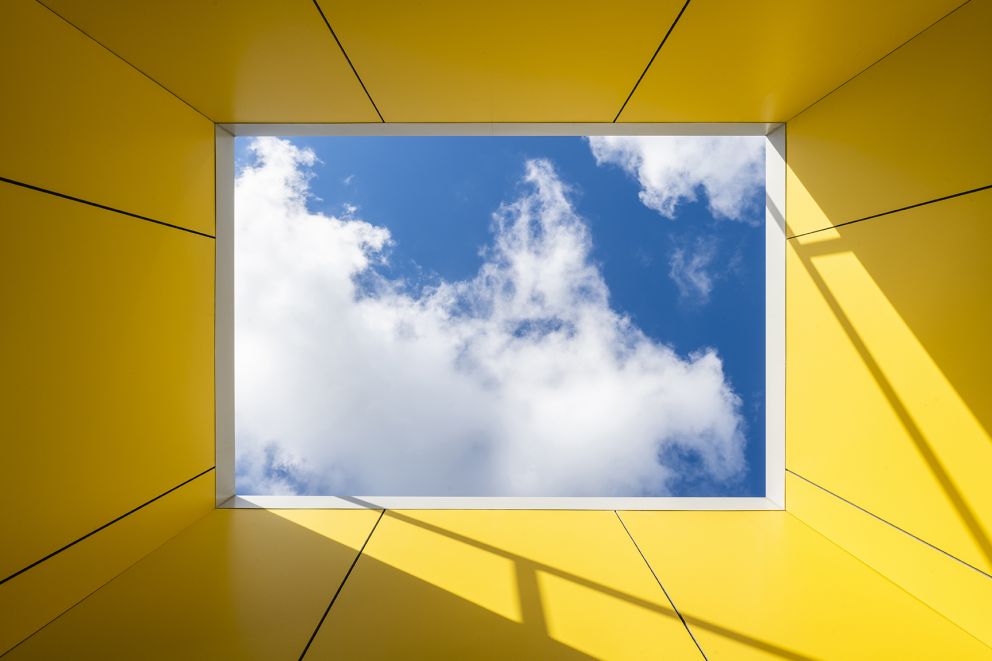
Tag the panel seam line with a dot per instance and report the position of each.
(660, 585)
(125, 61)
(889, 523)
(650, 62)
(348, 60)
(73, 198)
(888, 213)
(337, 592)
(106, 525)
(902, 588)
(883, 57)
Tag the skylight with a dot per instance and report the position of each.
(500, 316)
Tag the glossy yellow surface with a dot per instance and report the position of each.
(107, 396)
(107, 353)
(946, 585)
(887, 369)
(238, 584)
(513, 61)
(763, 585)
(501, 585)
(77, 120)
(36, 597)
(766, 60)
(912, 128)
(233, 60)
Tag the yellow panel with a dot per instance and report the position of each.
(501, 585)
(762, 585)
(887, 369)
(107, 353)
(513, 61)
(233, 60)
(79, 121)
(238, 584)
(913, 128)
(766, 60)
(948, 586)
(34, 598)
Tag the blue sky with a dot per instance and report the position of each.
(691, 281)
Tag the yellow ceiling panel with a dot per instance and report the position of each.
(912, 128)
(78, 121)
(33, 599)
(948, 586)
(501, 585)
(107, 396)
(512, 61)
(887, 369)
(766, 60)
(763, 585)
(238, 584)
(233, 60)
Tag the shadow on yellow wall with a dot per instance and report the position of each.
(255, 584)
(423, 616)
(887, 368)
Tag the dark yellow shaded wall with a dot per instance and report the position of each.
(234, 61)
(38, 596)
(888, 403)
(237, 584)
(256, 584)
(766, 60)
(911, 128)
(79, 121)
(513, 61)
(107, 258)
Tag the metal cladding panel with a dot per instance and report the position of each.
(233, 60)
(766, 60)
(79, 121)
(912, 128)
(107, 354)
(763, 585)
(512, 61)
(887, 369)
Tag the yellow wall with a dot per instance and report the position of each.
(107, 339)
(515, 61)
(238, 584)
(911, 128)
(766, 60)
(40, 595)
(888, 404)
(107, 212)
(948, 586)
(518, 61)
(79, 121)
(255, 584)
(233, 60)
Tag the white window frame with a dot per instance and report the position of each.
(774, 498)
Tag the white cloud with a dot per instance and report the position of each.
(690, 267)
(671, 169)
(520, 381)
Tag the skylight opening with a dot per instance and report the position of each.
(500, 317)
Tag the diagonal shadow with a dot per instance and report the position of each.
(940, 472)
(534, 607)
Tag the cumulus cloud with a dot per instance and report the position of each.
(520, 381)
(730, 170)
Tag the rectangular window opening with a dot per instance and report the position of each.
(501, 316)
